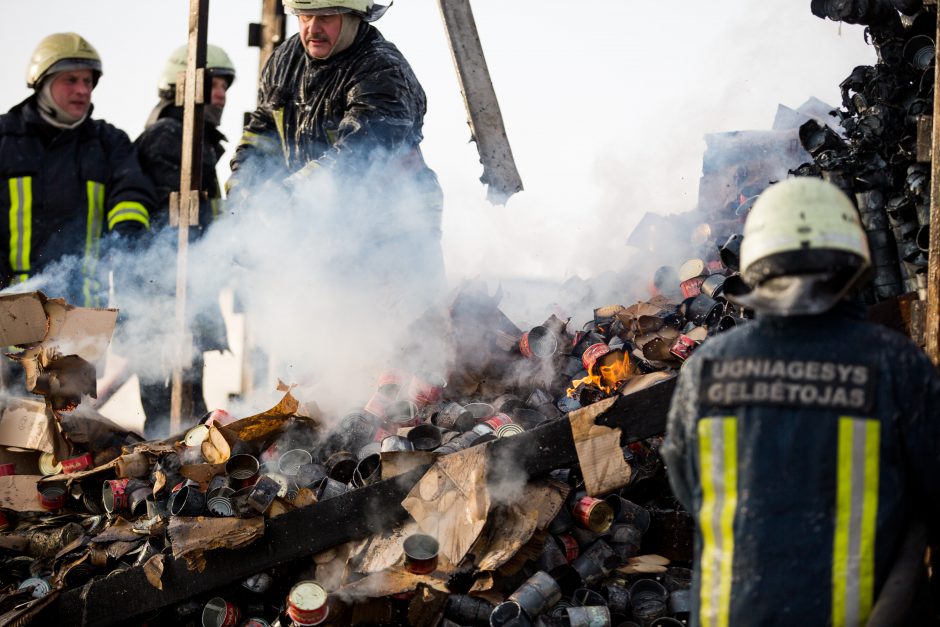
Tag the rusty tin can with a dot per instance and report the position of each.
(220, 613)
(421, 554)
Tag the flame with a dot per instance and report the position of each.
(614, 368)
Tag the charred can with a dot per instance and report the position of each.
(242, 467)
(76, 464)
(592, 354)
(538, 343)
(114, 494)
(569, 546)
(291, 461)
(593, 514)
(220, 613)
(402, 414)
(509, 430)
(590, 616)
(692, 287)
(421, 554)
(594, 563)
(537, 594)
(307, 603)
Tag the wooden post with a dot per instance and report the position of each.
(486, 119)
(933, 264)
(272, 30)
(184, 207)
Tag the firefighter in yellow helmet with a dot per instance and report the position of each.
(339, 101)
(807, 442)
(160, 148)
(71, 184)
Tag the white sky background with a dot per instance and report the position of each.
(605, 102)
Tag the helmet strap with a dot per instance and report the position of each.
(52, 113)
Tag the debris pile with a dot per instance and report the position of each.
(524, 487)
(881, 158)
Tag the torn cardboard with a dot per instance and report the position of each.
(451, 501)
(26, 424)
(598, 447)
(192, 537)
(19, 493)
(22, 319)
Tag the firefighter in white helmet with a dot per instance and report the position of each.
(160, 149)
(338, 100)
(71, 184)
(804, 443)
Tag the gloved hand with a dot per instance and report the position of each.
(301, 176)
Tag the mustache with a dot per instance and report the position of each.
(317, 38)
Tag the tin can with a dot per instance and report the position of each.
(692, 287)
(648, 598)
(196, 436)
(242, 467)
(40, 587)
(137, 501)
(508, 614)
(426, 389)
(425, 437)
(703, 310)
(391, 381)
(667, 621)
(593, 514)
(509, 430)
(508, 403)
(256, 622)
(307, 603)
(537, 594)
(52, 497)
(263, 494)
(328, 488)
(467, 610)
(618, 598)
(114, 495)
(490, 425)
(585, 597)
(569, 546)
(220, 613)
(378, 404)
(680, 602)
(7, 469)
(291, 461)
(683, 347)
(480, 412)
(341, 465)
(629, 512)
(591, 616)
(449, 417)
(552, 557)
(310, 474)
(401, 414)
(49, 465)
(220, 503)
(421, 554)
(219, 417)
(368, 471)
(395, 443)
(592, 354)
(133, 466)
(538, 343)
(595, 563)
(188, 501)
(76, 464)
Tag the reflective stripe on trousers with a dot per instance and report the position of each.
(21, 226)
(718, 455)
(853, 552)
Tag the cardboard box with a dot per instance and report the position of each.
(22, 319)
(24, 424)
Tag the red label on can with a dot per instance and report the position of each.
(119, 493)
(569, 547)
(391, 378)
(378, 404)
(592, 354)
(425, 390)
(52, 498)
(307, 603)
(692, 287)
(421, 567)
(4, 522)
(220, 417)
(524, 347)
(381, 434)
(582, 511)
(7, 469)
(683, 347)
(498, 421)
(77, 464)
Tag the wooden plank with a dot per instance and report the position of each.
(273, 29)
(932, 330)
(351, 516)
(925, 138)
(486, 119)
(181, 396)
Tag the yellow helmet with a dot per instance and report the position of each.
(804, 248)
(367, 9)
(62, 52)
(218, 63)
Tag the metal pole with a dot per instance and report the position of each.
(485, 117)
(933, 264)
(184, 208)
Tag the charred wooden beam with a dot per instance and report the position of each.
(351, 516)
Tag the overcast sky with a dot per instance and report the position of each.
(605, 102)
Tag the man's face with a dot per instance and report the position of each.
(219, 87)
(320, 33)
(71, 91)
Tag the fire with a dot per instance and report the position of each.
(612, 370)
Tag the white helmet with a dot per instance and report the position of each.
(804, 248)
(367, 9)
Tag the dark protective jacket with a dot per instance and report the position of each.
(362, 106)
(803, 447)
(160, 148)
(64, 192)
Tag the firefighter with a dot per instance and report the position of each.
(804, 443)
(338, 98)
(71, 184)
(160, 150)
